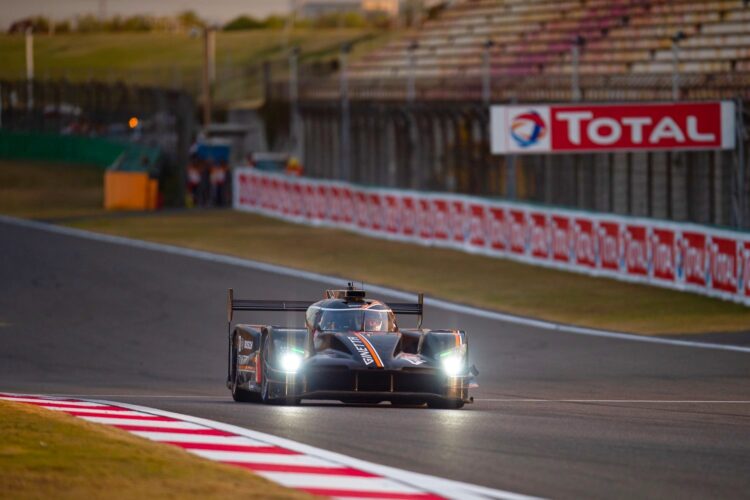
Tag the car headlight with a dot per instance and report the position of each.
(290, 361)
(454, 361)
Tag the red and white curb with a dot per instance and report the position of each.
(291, 464)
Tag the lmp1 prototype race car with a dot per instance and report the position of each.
(350, 350)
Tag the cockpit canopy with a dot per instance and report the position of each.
(334, 315)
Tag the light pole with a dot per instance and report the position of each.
(344, 165)
(487, 72)
(294, 121)
(209, 72)
(410, 81)
(30, 67)
(740, 183)
(575, 82)
(290, 20)
(676, 39)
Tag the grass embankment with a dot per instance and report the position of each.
(482, 281)
(174, 59)
(45, 190)
(45, 454)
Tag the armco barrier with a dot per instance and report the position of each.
(687, 257)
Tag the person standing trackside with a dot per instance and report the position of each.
(218, 178)
(193, 182)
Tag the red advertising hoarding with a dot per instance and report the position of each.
(664, 253)
(693, 246)
(610, 244)
(408, 216)
(561, 236)
(585, 242)
(635, 247)
(478, 226)
(723, 264)
(683, 256)
(498, 228)
(517, 223)
(541, 129)
(441, 219)
(538, 231)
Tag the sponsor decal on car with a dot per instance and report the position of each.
(365, 349)
(364, 353)
(413, 359)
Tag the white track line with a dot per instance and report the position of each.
(268, 458)
(197, 438)
(644, 401)
(290, 463)
(331, 280)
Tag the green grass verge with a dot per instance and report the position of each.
(482, 281)
(56, 191)
(45, 454)
(46, 190)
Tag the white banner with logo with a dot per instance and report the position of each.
(681, 256)
(579, 128)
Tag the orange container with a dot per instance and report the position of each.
(130, 191)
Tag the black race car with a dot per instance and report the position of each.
(351, 350)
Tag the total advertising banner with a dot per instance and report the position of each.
(682, 256)
(543, 129)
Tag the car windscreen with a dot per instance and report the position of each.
(356, 320)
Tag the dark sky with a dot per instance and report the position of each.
(212, 10)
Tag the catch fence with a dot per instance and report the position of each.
(436, 137)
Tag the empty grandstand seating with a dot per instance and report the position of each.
(626, 41)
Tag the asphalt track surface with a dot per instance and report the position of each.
(557, 415)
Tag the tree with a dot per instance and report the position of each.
(244, 23)
(188, 19)
(274, 22)
(62, 27)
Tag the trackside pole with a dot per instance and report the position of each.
(420, 300)
(344, 167)
(30, 67)
(741, 201)
(230, 299)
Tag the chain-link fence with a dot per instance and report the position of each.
(435, 135)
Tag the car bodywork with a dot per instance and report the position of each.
(350, 349)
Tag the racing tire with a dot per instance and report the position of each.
(445, 404)
(238, 394)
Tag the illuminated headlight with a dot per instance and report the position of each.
(290, 362)
(454, 361)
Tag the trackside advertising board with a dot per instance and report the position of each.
(538, 129)
(685, 257)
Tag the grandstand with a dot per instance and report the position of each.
(626, 50)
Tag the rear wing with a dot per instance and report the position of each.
(263, 305)
(416, 309)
